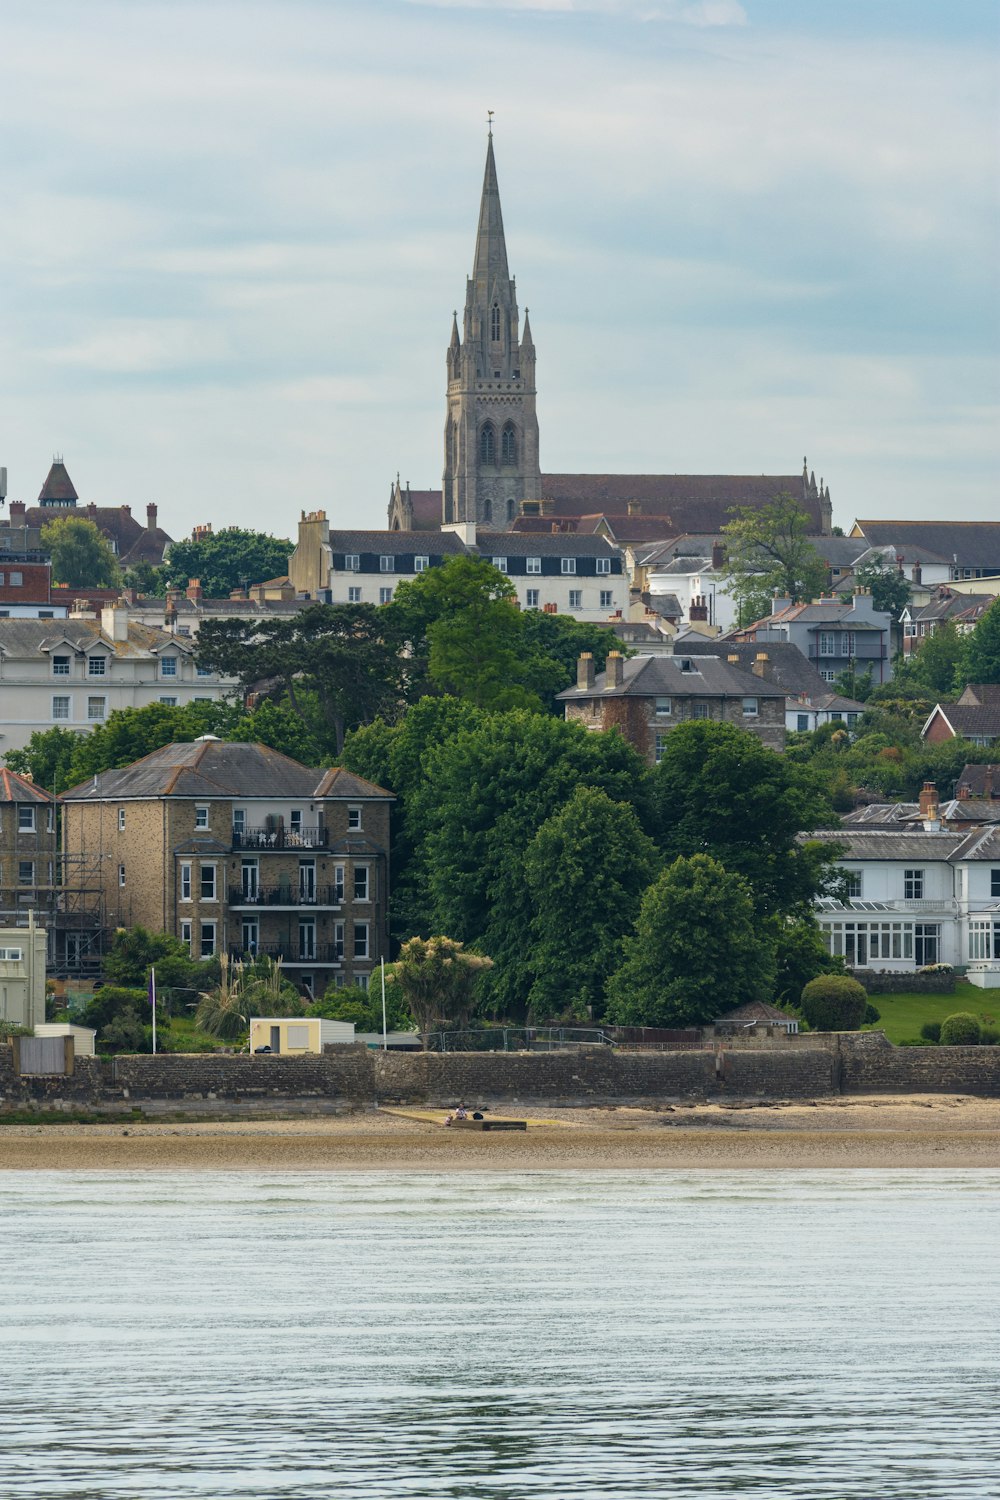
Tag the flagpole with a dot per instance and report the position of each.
(385, 1034)
(152, 996)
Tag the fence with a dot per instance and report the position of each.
(517, 1039)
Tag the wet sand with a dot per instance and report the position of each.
(898, 1131)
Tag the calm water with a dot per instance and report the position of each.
(506, 1337)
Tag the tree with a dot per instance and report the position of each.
(698, 949)
(981, 654)
(888, 586)
(227, 560)
(130, 733)
(243, 991)
(586, 869)
(437, 978)
(800, 955)
(834, 1002)
(146, 579)
(47, 757)
(562, 639)
(135, 951)
(940, 662)
(364, 1007)
(768, 552)
(82, 556)
(482, 797)
(719, 791)
(345, 654)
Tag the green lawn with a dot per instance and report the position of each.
(903, 1015)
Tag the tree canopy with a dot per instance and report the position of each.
(768, 552)
(82, 556)
(227, 560)
(698, 949)
(981, 656)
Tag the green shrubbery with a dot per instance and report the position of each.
(834, 1002)
(963, 1029)
(931, 1031)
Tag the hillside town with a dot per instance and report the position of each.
(567, 724)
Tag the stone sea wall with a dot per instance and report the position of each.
(353, 1077)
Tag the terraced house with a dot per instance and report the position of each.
(237, 848)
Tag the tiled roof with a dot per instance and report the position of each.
(786, 667)
(974, 777)
(210, 767)
(58, 486)
(665, 676)
(340, 784)
(945, 603)
(15, 788)
(693, 502)
(968, 719)
(969, 544)
(26, 638)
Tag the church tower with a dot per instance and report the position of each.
(491, 430)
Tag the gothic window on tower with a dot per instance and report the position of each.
(495, 323)
(508, 445)
(488, 444)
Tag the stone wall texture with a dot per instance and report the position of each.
(354, 1077)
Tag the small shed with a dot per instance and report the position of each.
(83, 1036)
(756, 1015)
(297, 1036)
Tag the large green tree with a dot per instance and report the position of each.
(586, 869)
(227, 560)
(981, 655)
(889, 588)
(719, 791)
(484, 795)
(130, 733)
(82, 556)
(346, 655)
(768, 552)
(698, 950)
(48, 757)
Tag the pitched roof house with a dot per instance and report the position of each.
(976, 717)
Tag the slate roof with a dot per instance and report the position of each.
(26, 638)
(881, 814)
(971, 720)
(397, 543)
(15, 788)
(693, 502)
(970, 544)
(210, 767)
(562, 544)
(886, 844)
(664, 676)
(786, 667)
(946, 604)
(58, 487)
(974, 777)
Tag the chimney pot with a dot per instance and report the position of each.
(17, 510)
(193, 589)
(614, 673)
(928, 800)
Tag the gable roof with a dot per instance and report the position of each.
(970, 720)
(975, 777)
(785, 666)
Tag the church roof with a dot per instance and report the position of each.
(692, 502)
(58, 487)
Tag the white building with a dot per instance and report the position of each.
(919, 895)
(22, 974)
(75, 672)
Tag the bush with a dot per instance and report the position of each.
(989, 1036)
(126, 1033)
(364, 1007)
(931, 1031)
(872, 1015)
(111, 1001)
(834, 1002)
(961, 1030)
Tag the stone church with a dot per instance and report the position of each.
(492, 475)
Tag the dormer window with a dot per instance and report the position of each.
(168, 666)
(97, 666)
(495, 323)
(60, 666)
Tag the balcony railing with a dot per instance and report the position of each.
(279, 838)
(286, 895)
(292, 952)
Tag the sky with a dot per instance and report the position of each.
(234, 232)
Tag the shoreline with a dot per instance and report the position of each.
(924, 1132)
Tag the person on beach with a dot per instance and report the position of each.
(461, 1113)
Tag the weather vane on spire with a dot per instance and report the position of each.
(489, 121)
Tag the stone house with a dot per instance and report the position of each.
(648, 696)
(29, 867)
(809, 701)
(237, 848)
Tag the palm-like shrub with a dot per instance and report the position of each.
(437, 978)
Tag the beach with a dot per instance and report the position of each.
(917, 1131)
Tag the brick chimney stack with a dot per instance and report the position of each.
(718, 557)
(193, 590)
(614, 674)
(150, 517)
(17, 510)
(585, 670)
(759, 667)
(963, 791)
(928, 800)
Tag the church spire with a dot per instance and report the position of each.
(490, 267)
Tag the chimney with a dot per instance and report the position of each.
(733, 659)
(963, 791)
(193, 590)
(114, 622)
(917, 574)
(126, 510)
(698, 609)
(150, 517)
(613, 672)
(759, 667)
(928, 800)
(718, 557)
(17, 510)
(237, 594)
(585, 670)
(634, 508)
(91, 511)
(988, 782)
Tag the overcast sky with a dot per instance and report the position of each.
(234, 232)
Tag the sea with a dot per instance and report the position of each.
(500, 1336)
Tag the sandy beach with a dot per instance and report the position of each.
(911, 1131)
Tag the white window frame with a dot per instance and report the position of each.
(186, 934)
(361, 940)
(914, 884)
(354, 819)
(664, 707)
(207, 932)
(59, 701)
(354, 594)
(362, 883)
(387, 563)
(607, 599)
(169, 700)
(168, 667)
(97, 666)
(26, 872)
(338, 885)
(659, 745)
(201, 815)
(385, 595)
(751, 708)
(62, 666)
(98, 702)
(568, 565)
(421, 564)
(500, 563)
(352, 562)
(121, 820)
(121, 875)
(202, 672)
(827, 644)
(532, 564)
(211, 893)
(576, 598)
(185, 894)
(338, 942)
(603, 565)
(532, 596)
(25, 817)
